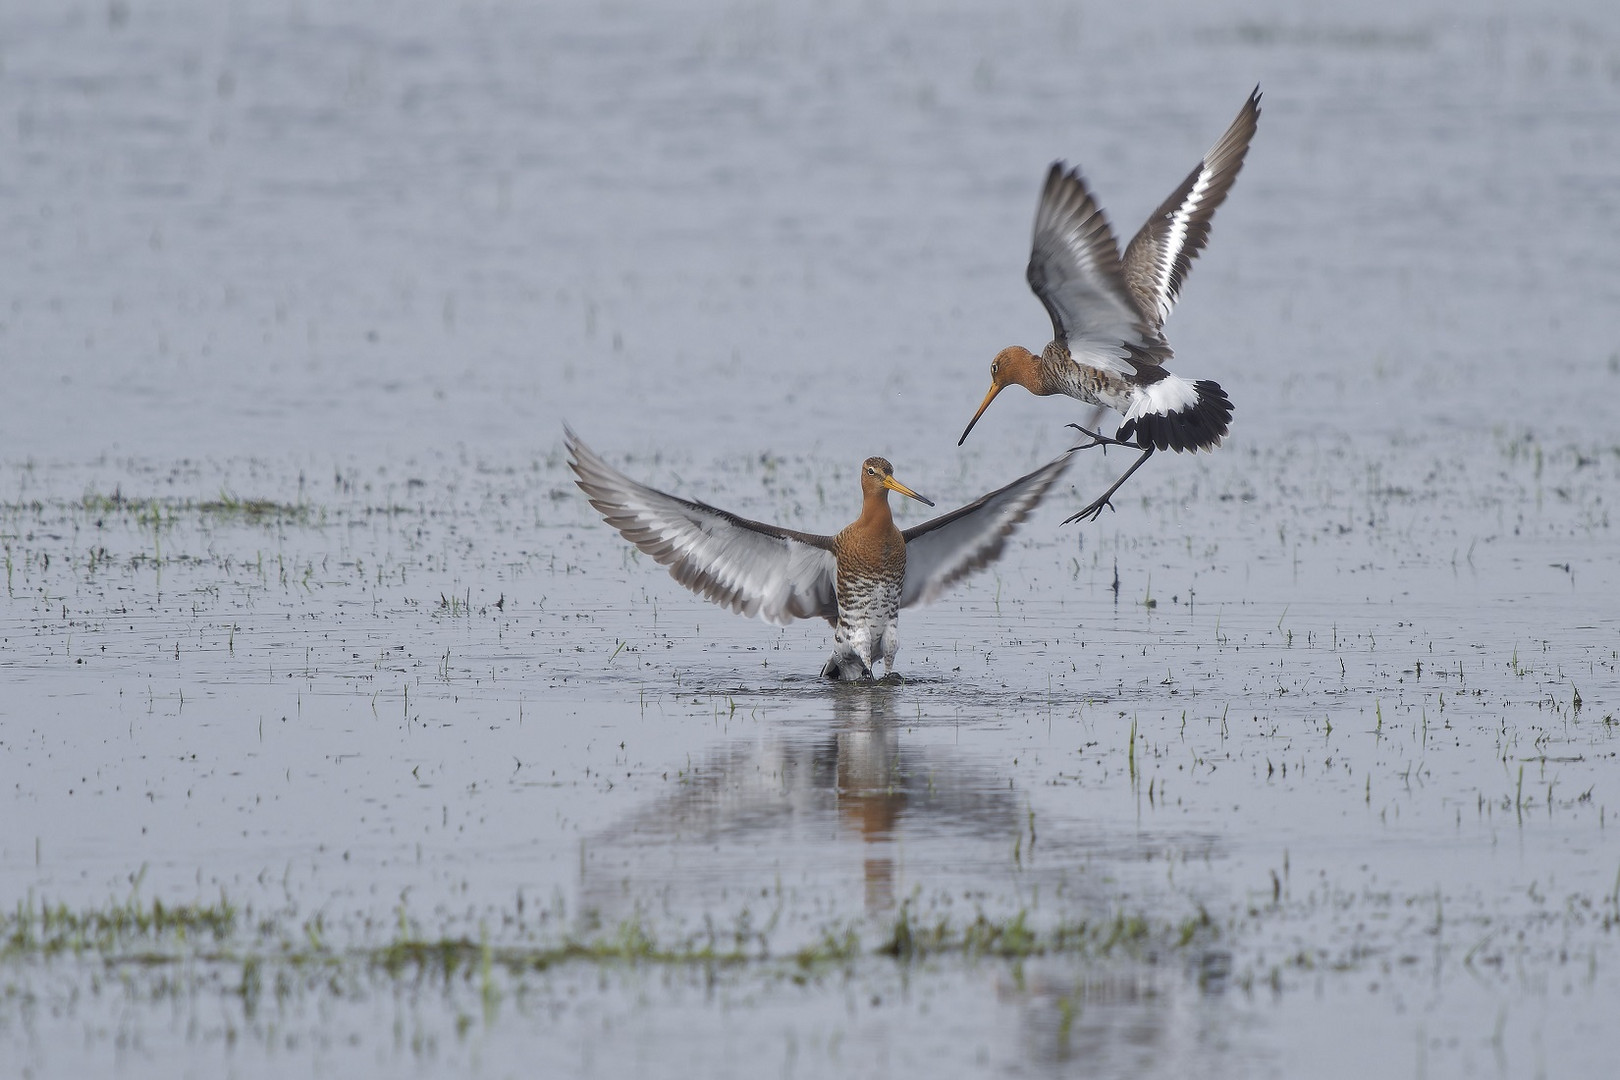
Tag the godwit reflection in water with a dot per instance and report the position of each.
(804, 806)
(903, 798)
(846, 806)
(871, 790)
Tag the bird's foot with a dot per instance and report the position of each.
(1097, 439)
(1092, 511)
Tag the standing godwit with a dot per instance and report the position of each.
(858, 580)
(1108, 311)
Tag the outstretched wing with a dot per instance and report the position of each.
(941, 552)
(1160, 254)
(1075, 270)
(756, 569)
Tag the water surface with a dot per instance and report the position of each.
(1298, 764)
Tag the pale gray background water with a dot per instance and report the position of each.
(368, 258)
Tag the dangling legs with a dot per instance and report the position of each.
(1098, 439)
(1094, 509)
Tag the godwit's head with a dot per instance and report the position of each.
(877, 479)
(1014, 364)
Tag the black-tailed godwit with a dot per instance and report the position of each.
(858, 580)
(1108, 310)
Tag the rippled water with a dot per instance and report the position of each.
(1327, 716)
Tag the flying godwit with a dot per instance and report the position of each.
(858, 580)
(1108, 310)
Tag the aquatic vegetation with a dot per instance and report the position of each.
(155, 934)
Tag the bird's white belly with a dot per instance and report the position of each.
(868, 620)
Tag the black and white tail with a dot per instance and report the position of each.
(1174, 414)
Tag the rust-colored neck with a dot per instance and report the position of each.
(876, 517)
(1019, 365)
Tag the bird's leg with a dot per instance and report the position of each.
(1097, 439)
(1091, 428)
(1094, 509)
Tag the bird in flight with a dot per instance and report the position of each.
(1108, 309)
(857, 579)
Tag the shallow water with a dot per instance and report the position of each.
(1298, 764)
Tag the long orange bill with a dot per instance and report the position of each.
(995, 388)
(894, 485)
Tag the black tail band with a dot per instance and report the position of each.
(1200, 426)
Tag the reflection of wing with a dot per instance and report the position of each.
(1160, 254)
(1074, 269)
(941, 552)
(756, 569)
